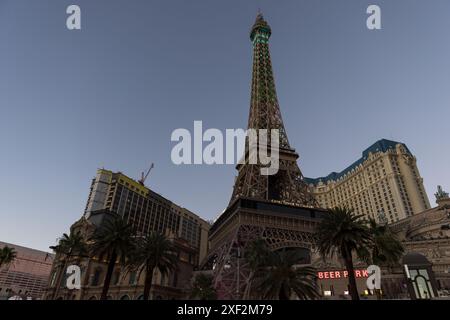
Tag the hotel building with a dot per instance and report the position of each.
(146, 211)
(27, 275)
(383, 184)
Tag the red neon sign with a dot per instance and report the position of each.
(341, 274)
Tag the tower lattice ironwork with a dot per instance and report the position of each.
(288, 184)
(277, 208)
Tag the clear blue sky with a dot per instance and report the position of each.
(111, 94)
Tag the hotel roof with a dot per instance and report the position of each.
(382, 145)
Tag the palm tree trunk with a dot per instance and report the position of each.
(353, 288)
(248, 287)
(109, 272)
(282, 294)
(58, 280)
(247, 290)
(148, 281)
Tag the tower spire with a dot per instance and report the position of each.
(287, 185)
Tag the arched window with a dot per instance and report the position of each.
(141, 297)
(93, 298)
(125, 297)
(421, 279)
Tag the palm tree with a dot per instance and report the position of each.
(203, 288)
(256, 255)
(113, 240)
(343, 232)
(7, 256)
(385, 249)
(281, 277)
(68, 246)
(154, 251)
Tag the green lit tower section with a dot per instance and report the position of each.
(264, 108)
(287, 185)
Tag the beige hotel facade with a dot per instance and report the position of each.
(384, 184)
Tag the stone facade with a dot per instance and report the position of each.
(428, 233)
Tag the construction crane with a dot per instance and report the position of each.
(144, 176)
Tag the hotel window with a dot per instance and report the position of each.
(327, 293)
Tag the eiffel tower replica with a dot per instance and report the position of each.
(277, 208)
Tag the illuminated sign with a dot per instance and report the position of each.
(341, 274)
(292, 204)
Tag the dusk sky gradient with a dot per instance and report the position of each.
(111, 94)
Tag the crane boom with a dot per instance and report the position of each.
(144, 176)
